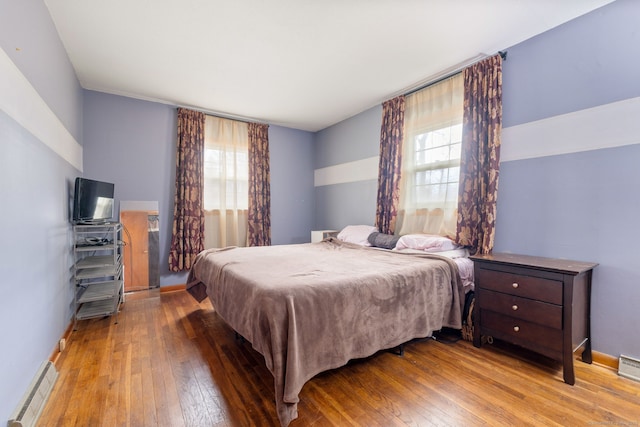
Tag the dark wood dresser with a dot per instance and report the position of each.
(542, 304)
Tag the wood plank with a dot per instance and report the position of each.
(173, 362)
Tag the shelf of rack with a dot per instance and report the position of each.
(99, 290)
(100, 308)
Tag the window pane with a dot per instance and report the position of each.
(422, 195)
(452, 192)
(456, 133)
(226, 176)
(436, 176)
(455, 151)
(422, 177)
(441, 137)
(454, 174)
(438, 146)
(438, 154)
(435, 186)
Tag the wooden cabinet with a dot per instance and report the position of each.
(542, 304)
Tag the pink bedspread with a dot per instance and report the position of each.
(313, 307)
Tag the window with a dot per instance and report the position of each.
(226, 182)
(226, 176)
(437, 166)
(431, 158)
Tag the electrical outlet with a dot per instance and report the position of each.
(62, 344)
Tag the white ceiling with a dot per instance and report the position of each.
(297, 63)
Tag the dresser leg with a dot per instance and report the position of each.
(586, 354)
(477, 338)
(567, 365)
(567, 371)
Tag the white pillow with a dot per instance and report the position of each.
(426, 242)
(357, 234)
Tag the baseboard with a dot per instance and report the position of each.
(605, 360)
(172, 288)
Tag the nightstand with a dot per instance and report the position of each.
(320, 235)
(542, 304)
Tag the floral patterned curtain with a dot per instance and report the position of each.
(391, 135)
(480, 161)
(187, 239)
(259, 232)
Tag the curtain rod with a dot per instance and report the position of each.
(223, 115)
(436, 78)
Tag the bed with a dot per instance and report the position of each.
(308, 308)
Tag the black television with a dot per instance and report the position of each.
(92, 201)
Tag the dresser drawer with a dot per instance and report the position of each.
(520, 331)
(520, 285)
(534, 311)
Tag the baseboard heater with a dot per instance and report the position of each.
(31, 405)
(629, 367)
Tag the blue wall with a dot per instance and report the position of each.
(292, 203)
(348, 201)
(579, 204)
(589, 61)
(36, 185)
(132, 143)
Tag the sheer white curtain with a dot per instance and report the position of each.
(431, 159)
(226, 176)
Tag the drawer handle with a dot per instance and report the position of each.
(516, 328)
(515, 285)
(514, 307)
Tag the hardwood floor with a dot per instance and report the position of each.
(173, 362)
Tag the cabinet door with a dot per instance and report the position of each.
(136, 251)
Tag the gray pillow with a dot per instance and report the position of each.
(381, 240)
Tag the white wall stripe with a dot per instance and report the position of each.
(605, 126)
(359, 170)
(23, 104)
